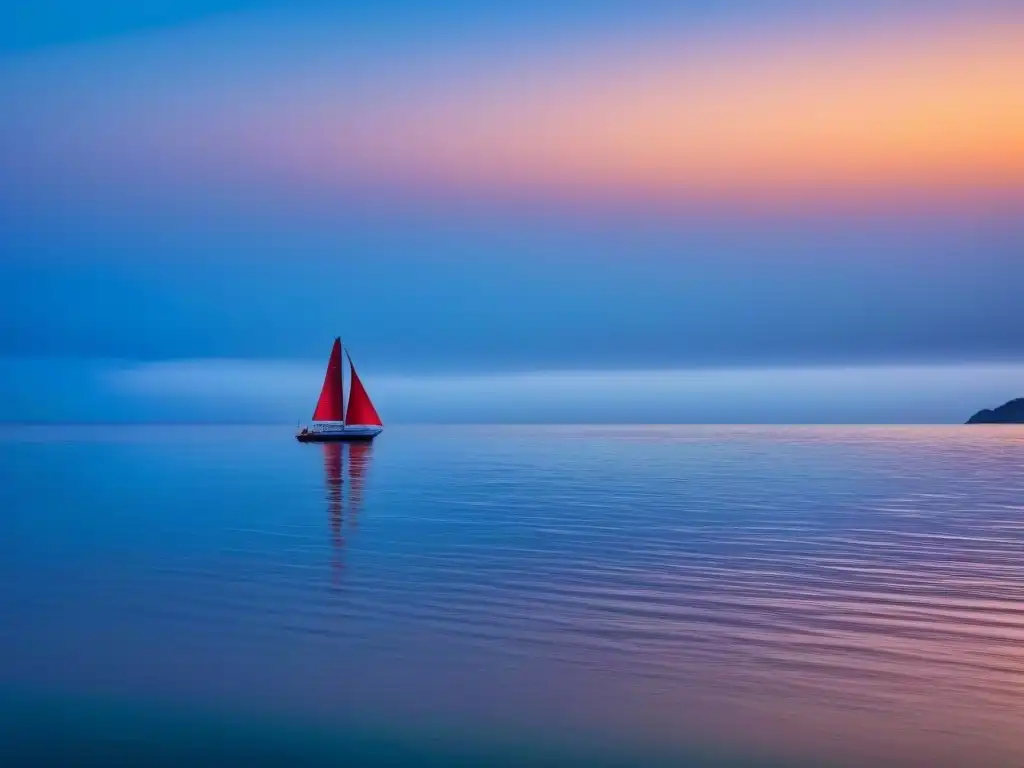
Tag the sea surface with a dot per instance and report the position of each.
(512, 595)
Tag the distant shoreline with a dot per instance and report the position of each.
(1011, 412)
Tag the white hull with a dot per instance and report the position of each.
(324, 432)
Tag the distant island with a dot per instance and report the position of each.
(1008, 413)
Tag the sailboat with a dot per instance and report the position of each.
(331, 420)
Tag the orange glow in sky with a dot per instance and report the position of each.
(915, 107)
(810, 112)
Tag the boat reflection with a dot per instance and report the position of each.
(335, 478)
(333, 461)
(359, 457)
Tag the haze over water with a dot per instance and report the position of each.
(804, 595)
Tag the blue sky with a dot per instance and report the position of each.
(35, 23)
(238, 181)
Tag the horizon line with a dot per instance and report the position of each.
(435, 424)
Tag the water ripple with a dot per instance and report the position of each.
(669, 584)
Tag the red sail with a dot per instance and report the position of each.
(360, 409)
(329, 406)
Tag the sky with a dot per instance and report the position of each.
(776, 192)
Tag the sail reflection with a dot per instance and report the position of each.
(344, 516)
(333, 463)
(359, 457)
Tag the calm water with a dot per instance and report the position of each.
(704, 595)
